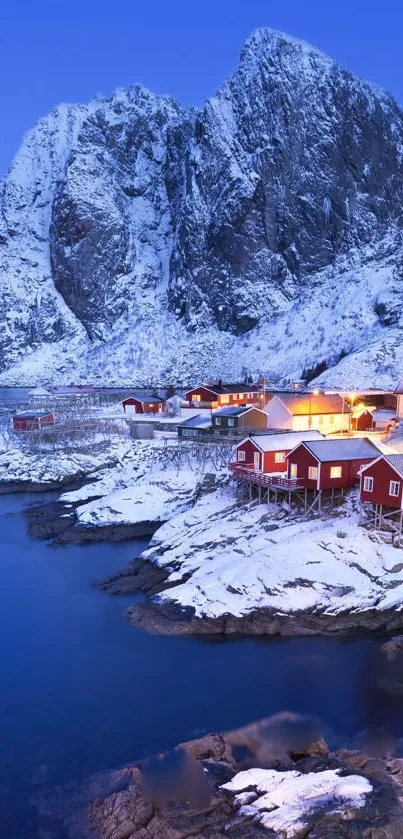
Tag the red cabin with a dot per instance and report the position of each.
(267, 452)
(330, 464)
(381, 481)
(146, 405)
(32, 420)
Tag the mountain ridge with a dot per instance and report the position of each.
(135, 226)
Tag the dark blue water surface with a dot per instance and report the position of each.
(82, 691)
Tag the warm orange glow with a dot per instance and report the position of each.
(315, 392)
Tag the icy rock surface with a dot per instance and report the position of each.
(131, 225)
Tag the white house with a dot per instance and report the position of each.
(323, 412)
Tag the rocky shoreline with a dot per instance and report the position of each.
(57, 521)
(215, 787)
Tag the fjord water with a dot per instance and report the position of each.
(82, 691)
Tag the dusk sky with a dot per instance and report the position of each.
(55, 51)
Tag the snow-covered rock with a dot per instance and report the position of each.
(142, 241)
(284, 802)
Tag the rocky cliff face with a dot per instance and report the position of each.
(186, 228)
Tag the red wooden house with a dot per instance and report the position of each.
(143, 405)
(381, 482)
(32, 420)
(220, 395)
(267, 452)
(330, 464)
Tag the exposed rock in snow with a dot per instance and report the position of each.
(285, 801)
(140, 241)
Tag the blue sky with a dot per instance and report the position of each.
(53, 50)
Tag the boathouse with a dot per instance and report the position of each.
(267, 452)
(381, 482)
(198, 426)
(362, 418)
(330, 464)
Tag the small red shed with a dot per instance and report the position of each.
(267, 452)
(143, 405)
(362, 419)
(381, 482)
(32, 420)
(330, 464)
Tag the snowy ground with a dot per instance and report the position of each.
(242, 557)
(19, 463)
(284, 801)
(140, 488)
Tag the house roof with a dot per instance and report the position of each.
(396, 460)
(234, 410)
(281, 441)
(143, 399)
(228, 388)
(383, 414)
(399, 388)
(362, 409)
(354, 448)
(312, 403)
(32, 414)
(199, 421)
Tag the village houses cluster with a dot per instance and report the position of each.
(296, 444)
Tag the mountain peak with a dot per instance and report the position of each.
(273, 40)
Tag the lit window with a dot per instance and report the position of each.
(313, 473)
(331, 420)
(241, 455)
(241, 396)
(217, 420)
(279, 457)
(335, 471)
(368, 484)
(231, 422)
(224, 399)
(394, 488)
(320, 420)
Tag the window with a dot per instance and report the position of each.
(320, 420)
(231, 422)
(240, 396)
(368, 484)
(224, 399)
(241, 455)
(313, 473)
(394, 488)
(335, 471)
(331, 420)
(196, 397)
(279, 457)
(217, 420)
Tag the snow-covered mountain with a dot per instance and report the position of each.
(143, 241)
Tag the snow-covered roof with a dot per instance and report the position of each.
(281, 441)
(314, 403)
(39, 391)
(225, 387)
(396, 460)
(143, 399)
(399, 388)
(383, 414)
(32, 414)
(234, 410)
(354, 448)
(199, 421)
(362, 409)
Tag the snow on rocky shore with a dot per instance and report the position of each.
(282, 801)
(233, 567)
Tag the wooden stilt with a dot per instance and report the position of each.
(306, 498)
(380, 516)
(332, 502)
